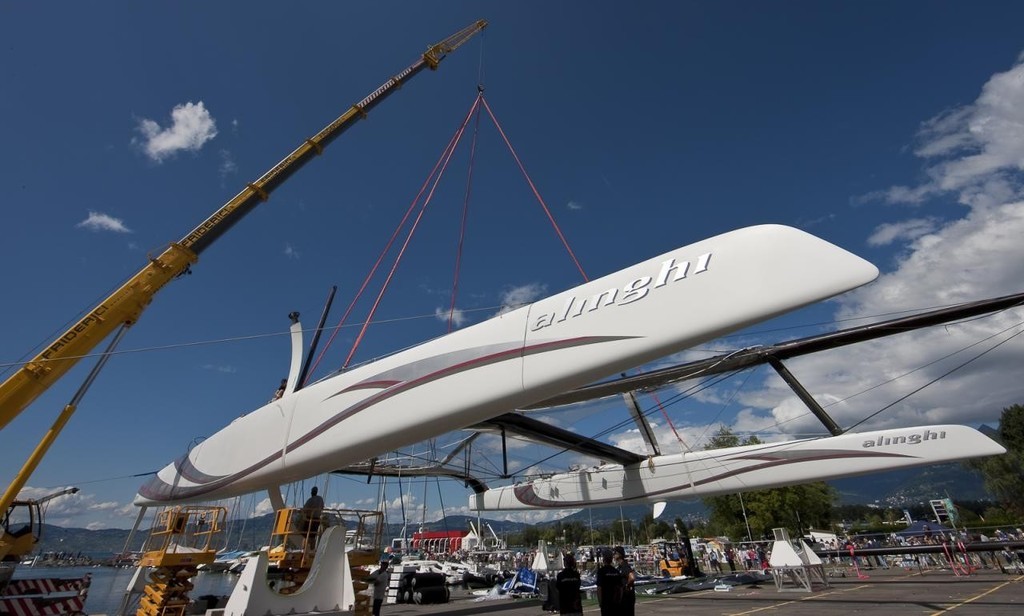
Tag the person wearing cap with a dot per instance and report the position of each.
(609, 586)
(380, 579)
(628, 607)
(568, 584)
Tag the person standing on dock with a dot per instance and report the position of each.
(628, 607)
(568, 584)
(380, 579)
(609, 586)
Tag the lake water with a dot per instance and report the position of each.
(108, 584)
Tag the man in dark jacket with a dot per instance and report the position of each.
(568, 584)
(609, 586)
(628, 607)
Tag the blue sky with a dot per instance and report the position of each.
(891, 129)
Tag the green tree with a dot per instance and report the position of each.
(653, 529)
(797, 508)
(1004, 475)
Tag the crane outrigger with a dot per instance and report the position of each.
(121, 309)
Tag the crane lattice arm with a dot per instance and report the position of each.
(126, 304)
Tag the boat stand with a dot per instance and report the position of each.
(327, 589)
(794, 565)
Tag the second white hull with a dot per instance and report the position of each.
(742, 469)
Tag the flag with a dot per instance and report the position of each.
(527, 578)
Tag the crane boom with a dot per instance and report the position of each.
(125, 305)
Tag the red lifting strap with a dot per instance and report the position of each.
(445, 155)
(432, 180)
(465, 213)
(535, 192)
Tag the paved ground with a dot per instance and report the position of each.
(895, 591)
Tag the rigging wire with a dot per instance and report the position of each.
(59, 328)
(49, 338)
(779, 424)
(247, 337)
(465, 214)
(408, 238)
(940, 377)
(919, 368)
(536, 193)
(387, 247)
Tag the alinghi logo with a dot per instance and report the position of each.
(910, 439)
(636, 290)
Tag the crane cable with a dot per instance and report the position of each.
(436, 174)
(536, 193)
(408, 237)
(465, 208)
(387, 247)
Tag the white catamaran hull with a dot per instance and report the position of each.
(638, 314)
(741, 469)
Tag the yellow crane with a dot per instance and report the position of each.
(124, 306)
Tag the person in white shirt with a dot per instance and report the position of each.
(380, 579)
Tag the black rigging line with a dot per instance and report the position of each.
(941, 376)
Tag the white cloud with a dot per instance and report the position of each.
(975, 150)
(404, 505)
(98, 221)
(693, 437)
(57, 503)
(574, 205)
(290, 252)
(191, 127)
(227, 164)
(262, 508)
(976, 155)
(223, 368)
(905, 230)
(813, 222)
(457, 315)
(518, 296)
(72, 510)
